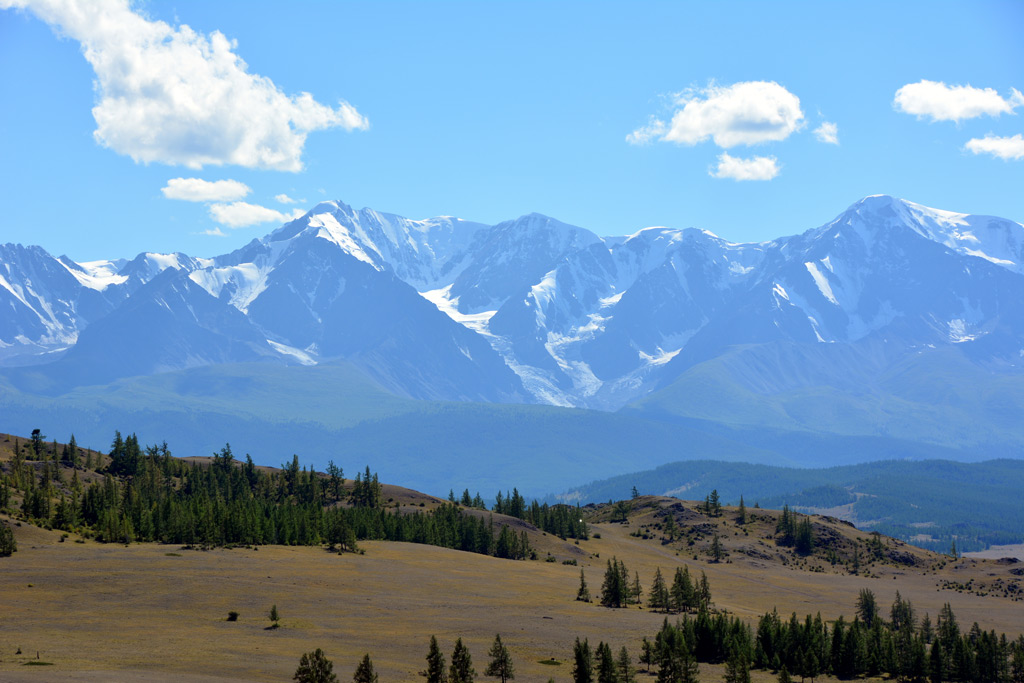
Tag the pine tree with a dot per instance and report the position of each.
(804, 537)
(737, 669)
(435, 664)
(8, 545)
(784, 676)
(614, 587)
(606, 670)
(274, 616)
(658, 598)
(704, 594)
(716, 549)
(314, 667)
(646, 653)
(636, 592)
(501, 661)
(364, 672)
(583, 665)
(625, 666)
(741, 516)
(714, 504)
(461, 670)
(867, 607)
(583, 594)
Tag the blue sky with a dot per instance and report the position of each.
(611, 116)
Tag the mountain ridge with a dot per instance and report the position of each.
(891, 320)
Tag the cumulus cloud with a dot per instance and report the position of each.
(755, 168)
(172, 95)
(1008, 149)
(284, 199)
(828, 133)
(941, 102)
(244, 214)
(746, 113)
(199, 190)
(214, 232)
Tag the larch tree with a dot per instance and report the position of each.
(364, 672)
(461, 669)
(435, 663)
(500, 665)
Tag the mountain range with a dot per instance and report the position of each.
(893, 321)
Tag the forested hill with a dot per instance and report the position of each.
(136, 493)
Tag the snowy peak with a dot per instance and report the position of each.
(996, 240)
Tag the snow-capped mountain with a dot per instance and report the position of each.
(530, 309)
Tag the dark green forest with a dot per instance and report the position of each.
(145, 494)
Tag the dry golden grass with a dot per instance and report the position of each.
(158, 613)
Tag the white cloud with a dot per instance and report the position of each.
(244, 214)
(941, 102)
(756, 168)
(745, 113)
(1004, 148)
(172, 95)
(828, 133)
(214, 232)
(199, 190)
(284, 199)
(645, 134)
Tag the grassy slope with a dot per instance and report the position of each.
(115, 613)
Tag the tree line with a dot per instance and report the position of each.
(145, 494)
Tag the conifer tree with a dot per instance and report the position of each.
(364, 672)
(716, 549)
(500, 665)
(435, 664)
(737, 669)
(606, 669)
(646, 653)
(704, 593)
(613, 589)
(741, 516)
(461, 670)
(804, 537)
(658, 598)
(583, 594)
(8, 545)
(636, 592)
(624, 666)
(867, 606)
(314, 667)
(583, 665)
